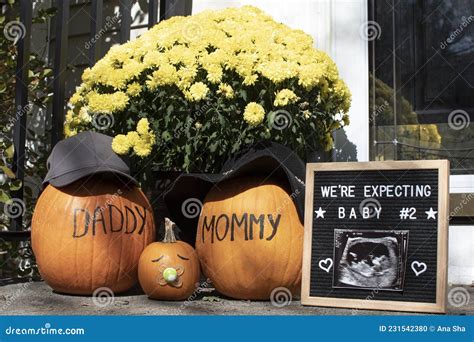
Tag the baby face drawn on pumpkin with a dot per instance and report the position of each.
(170, 269)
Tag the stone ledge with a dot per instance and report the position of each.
(36, 298)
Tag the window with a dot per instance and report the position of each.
(421, 81)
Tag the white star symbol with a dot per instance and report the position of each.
(320, 212)
(431, 214)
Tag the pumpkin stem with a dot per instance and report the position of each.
(169, 233)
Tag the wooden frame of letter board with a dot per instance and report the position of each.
(443, 207)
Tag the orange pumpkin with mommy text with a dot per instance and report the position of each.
(90, 234)
(250, 238)
(169, 270)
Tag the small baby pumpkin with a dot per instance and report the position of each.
(169, 270)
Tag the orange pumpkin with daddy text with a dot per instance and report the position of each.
(250, 238)
(90, 234)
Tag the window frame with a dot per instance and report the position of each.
(332, 39)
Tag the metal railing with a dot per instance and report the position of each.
(165, 8)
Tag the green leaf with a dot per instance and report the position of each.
(16, 185)
(6, 170)
(213, 147)
(186, 162)
(170, 110)
(47, 72)
(270, 119)
(235, 146)
(222, 120)
(4, 197)
(10, 151)
(243, 94)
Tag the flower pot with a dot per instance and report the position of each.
(156, 184)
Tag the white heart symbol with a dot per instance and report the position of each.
(325, 264)
(418, 267)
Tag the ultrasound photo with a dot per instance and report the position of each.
(370, 259)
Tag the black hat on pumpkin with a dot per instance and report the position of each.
(268, 159)
(85, 154)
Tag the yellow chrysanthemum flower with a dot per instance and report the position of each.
(87, 75)
(134, 89)
(155, 58)
(143, 139)
(69, 116)
(84, 115)
(242, 40)
(165, 75)
(226, 90)
(133, 138)
(75, 99)
(142, 148)
(254, 113)
(213, 55)
(250, 80)
(214, 73)
(197, 91)
(285, 97)
(143, 126)
(310, 75)
(107, 103)
(186, 76)
(346, 120)
(69, 132)
(278, 71)
(120, 144)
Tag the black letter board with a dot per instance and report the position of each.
(376, 235)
